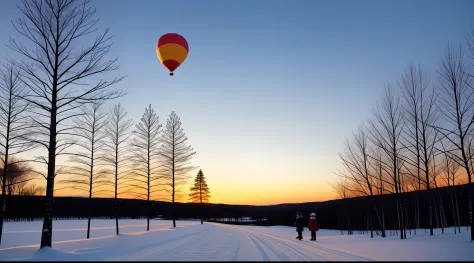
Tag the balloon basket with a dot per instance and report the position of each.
(171, 74)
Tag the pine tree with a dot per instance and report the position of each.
(200, 190)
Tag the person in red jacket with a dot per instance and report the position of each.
(313, 226)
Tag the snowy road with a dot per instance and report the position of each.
(272, 247)
(191, 241)
(216, 242)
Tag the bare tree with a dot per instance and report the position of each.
(428, 139)
(115, 150)
(62, 72)
(380, 172)
(176, 156)
(386, 130)
(436, 170)
(146, 146)
(420, 136)
(33, 189)
(356, 160)
(200, 191)
(450, 177)
(13, 126)
(17, 177)
(411, 85)
(457, 108)
(85, 175)
(342, 188)
(470, 47)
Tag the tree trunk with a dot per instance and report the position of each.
(46, 235)
(442, 214)
(200, 195)
(348, 226)
(430, 207)
(116, 193)
(172, 205)
(47, 231)
(457, 211)
(172, 173)
(148, 186)
(116, 179)
(4, 196)
(340, 223)
(90, 211)
(370, 222)
(454, 212)
(402, 208)
(382, 228)
(417, 213)
(383, 222)
(471, 201)
(5, 164)
(149, 207)
(406, 224)
(398, 215)
(436, 213)
(91, 176)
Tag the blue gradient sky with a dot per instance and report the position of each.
(270, 89)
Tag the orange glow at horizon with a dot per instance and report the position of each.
(264, 198)
(264, 195)
(245, 178)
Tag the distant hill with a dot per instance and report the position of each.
(333, 214)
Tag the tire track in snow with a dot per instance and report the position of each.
(328, 253)
(331, 253)
(292, 254)
(145, 250)
(206, 248)
(341, 253)
(259, 248)
(180, 240)
(299, 253)
(166, 249)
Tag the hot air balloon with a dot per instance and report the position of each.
(172, 49)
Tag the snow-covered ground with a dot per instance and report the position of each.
(191, 241)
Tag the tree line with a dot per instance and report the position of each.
(52, 105)
(419, 137)
(347, 215)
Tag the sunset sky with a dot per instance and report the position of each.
(270, 89)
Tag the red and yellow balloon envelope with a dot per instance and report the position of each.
(172, 49)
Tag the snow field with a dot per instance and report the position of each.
(191, 241)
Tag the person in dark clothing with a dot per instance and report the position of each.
(299, 225)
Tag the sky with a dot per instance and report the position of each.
(270, 89)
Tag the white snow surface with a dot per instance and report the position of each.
(191, 241)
